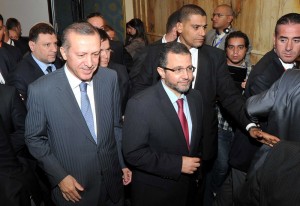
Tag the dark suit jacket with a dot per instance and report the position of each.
(268, 70)
(13, 113)
(22, 44)
(280, 104)
(26, 72)
(123, 80)
(154, 143)
(18, 182)
(15, 52)
(213, 81)
(58, 136)
(277, 180)
(119, 54)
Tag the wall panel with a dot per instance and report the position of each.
(257, 18)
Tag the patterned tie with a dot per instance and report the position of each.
(49, 69)
(87, 110)
(183, 121)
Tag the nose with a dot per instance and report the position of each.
(235, 50)
(289, 45)
(202, 31)
(89, 61)
(185, 74)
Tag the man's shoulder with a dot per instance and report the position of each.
(267, 63)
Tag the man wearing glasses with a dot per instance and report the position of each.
(162, 132)
(221, 22)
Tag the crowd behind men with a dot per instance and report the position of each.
(70, 134)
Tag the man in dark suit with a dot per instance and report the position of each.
(279, 169)
(121, 70)
(119, 54)
(17, 180)
(18, 183)
(13, 113)
(42, 59)
(9, 56)
(73, 124)
(268, 70)
(164, 155)
(211, 78)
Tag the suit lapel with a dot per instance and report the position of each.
(68, 101)
(194, 117)
(170, 112)
(104, 114)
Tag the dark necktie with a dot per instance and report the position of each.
(49, 69)
(87, 110)
(183, 121)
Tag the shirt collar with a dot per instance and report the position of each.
(42, 65)
(287, 65)
(171, 94)
(73, 80)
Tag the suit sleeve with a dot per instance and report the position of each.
(17, 81)
(18, 114)
(260, 105)
(137, 151)
(118, 123)
(36, 136)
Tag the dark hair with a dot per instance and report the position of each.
(190, 9)
(237, 34)
(40, 28)
(103, 35)
(172, 21)
(94, 14)
(11, 23)
(291, 18)
(138, 25)
(108, 28)
(1, 18)
(83, 28)
(171, 47)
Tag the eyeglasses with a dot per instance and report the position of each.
(180, 70)
(219, 15)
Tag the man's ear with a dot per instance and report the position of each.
(31, 45)
(63, 53)
(161, 72)
(179, 26)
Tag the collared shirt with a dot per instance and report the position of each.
(287, 65)
(42, 65)
(74, 83)
(186, 109)
(10, 42)
(218, 40)
(2, 81)
(194, 53)
(163, 40)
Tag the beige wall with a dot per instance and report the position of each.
(257, 18)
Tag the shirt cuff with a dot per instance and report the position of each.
(250, 125)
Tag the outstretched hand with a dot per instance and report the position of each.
(263, 137)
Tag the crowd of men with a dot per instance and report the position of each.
(188, 121)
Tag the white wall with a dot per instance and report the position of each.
(28, 12)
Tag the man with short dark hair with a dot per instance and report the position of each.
(119, 54)
(121, 70)
(42, 59)
(162, 134)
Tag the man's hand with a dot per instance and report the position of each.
(127, 176)
(263, 137)
(69, 187)
(190, 164)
